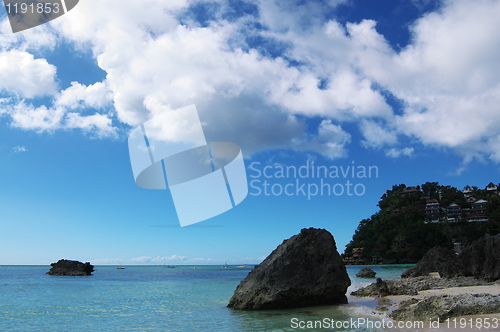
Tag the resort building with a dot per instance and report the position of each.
(471, 200)
(467, 191)
(478, 211)
(435, 213)
(492, 187)
(410, 190)
(453, 213)
(356, 257)
(432, 211)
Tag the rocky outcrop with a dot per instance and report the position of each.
(482, 258)
(304, 270)
(411, 286)
(66, 267)
(384, 288)
(437, 259)
(366, 273)
(447, 306)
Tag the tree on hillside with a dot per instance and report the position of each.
(450, 195)
(431, 189)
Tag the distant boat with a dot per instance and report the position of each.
(244, 265)
(121, 268)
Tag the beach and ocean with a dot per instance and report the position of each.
(160, 298)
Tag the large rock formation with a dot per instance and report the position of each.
(66, 267)
(304, 270)
(437, 259)
(482, 258)
(366, 273)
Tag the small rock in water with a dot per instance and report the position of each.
(66, 267)
(366, 273)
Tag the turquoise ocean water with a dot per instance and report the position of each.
(154, 298)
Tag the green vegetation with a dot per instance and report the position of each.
(399, 234)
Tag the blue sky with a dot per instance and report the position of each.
(411, 87)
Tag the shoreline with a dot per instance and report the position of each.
(381, 307)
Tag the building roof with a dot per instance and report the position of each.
(491, 186)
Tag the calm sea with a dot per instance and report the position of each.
(153, 298)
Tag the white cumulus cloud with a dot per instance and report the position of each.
(448, 76)
(23, 75)
(80, 96)
(157, 58)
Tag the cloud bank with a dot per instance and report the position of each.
(258, 71)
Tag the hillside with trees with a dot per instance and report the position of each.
(411, 220)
